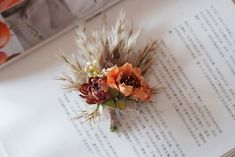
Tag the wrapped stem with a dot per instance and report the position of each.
(113, 120)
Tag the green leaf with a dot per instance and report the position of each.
(114, 92)
(113, 128)
(110, 103)
(121, 104)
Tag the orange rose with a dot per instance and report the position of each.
(129, 82)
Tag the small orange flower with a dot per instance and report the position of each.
(129, 82)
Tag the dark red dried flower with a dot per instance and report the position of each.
(95, 91)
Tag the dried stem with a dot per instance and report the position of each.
(89, 116)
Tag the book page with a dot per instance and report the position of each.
(195, 115)
(2, 151)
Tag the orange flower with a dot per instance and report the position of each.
(129, 82)
(4, 34)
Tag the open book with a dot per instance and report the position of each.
(28, 24)
(193, 117)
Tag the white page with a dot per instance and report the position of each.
(3, 152)
(34, 112)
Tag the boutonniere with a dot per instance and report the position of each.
(108, 71)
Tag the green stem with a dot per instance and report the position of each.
(97, 107)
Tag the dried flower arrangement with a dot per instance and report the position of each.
(113, 73)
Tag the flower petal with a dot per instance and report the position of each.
(142, 93)
(125, 90)
(84, 88)
(137, 73)
(111, 77)
(126, 68)
(119, 76)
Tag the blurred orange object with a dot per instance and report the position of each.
(3, 57)
(5, 4)
(4, 34)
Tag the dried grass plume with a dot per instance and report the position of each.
(107, 47)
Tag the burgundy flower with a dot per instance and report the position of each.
(95, 91)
